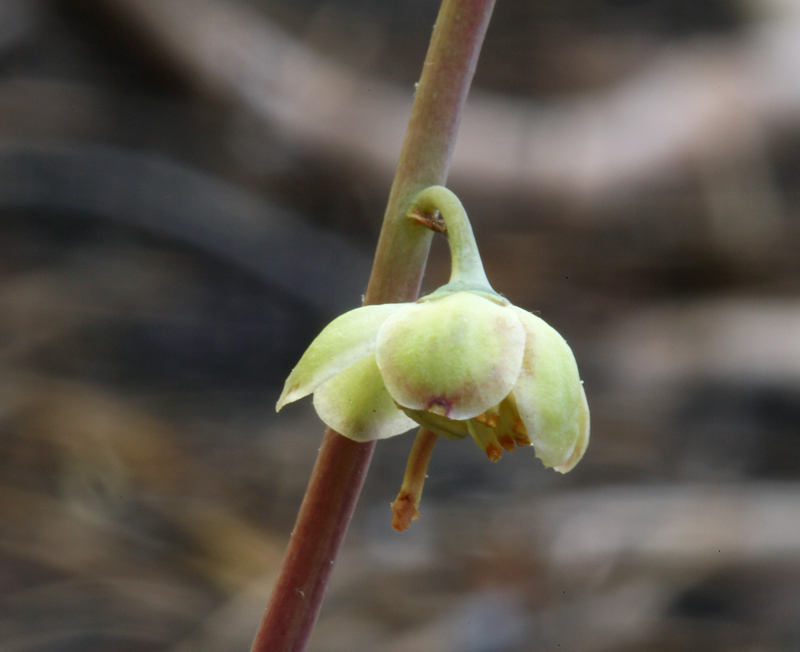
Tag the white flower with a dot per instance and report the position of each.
(459, 361)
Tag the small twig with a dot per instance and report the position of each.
(432, 221)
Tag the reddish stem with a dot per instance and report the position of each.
(396, 274)
(321, 525)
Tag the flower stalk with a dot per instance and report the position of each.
(467, 267)
(397, 272)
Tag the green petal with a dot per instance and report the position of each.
(550, 396)
(343, 342)
(356, 404)
(457, 355)
(583, 439)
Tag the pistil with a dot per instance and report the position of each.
(405, 507)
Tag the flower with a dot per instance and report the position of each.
(460, 361)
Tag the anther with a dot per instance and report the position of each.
(507, 442)
(521, 433)
(494, 452)
(487, 420)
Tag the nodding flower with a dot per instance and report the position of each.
(460, 361)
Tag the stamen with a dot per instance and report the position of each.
(487, 419)
(486, 438)
(507, 442)
(405, 506)
(494, 452)
(521, 433)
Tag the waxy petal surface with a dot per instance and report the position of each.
(549, 394)
(342, 343)
(356, 404)
(583, 439)
(458, 355)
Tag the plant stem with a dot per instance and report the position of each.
(321, 525)
(396, 275)
(425, 158)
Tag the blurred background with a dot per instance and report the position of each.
(191, 189)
